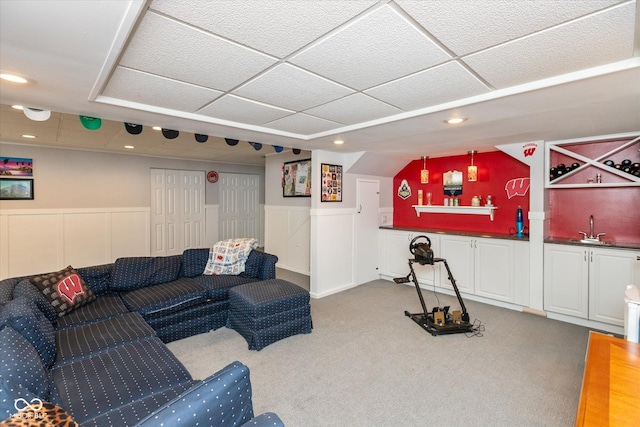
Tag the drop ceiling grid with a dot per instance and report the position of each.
(456, 23)
(441, 84)
(380, 47)
(171, 49)
(237, 109)
(144, 88)
(301, 123)
(292, 88)
(338, 59)
(584, 43)
(276, 27)
(353, 109)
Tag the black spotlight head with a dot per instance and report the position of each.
(231, 142)
(201, 138)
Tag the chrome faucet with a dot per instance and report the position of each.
(591, 238)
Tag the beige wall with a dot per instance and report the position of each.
(82, 179)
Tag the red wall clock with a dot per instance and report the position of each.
(212, 177)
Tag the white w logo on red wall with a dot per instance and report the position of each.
(69, 288)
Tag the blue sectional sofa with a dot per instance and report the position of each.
(96, 347)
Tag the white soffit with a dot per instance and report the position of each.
(172, 49)
(595, 40)
(292, 88)
(375, 49)
(276, 27)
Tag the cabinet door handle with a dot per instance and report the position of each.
(585, 255)
(591, 254)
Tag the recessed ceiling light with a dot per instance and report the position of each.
(129, 147)
(29, 136)
(13, 78)
(338, 142)
(455, 120)
(17, 107)
(156, 128)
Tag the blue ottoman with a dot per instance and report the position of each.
(269, 310)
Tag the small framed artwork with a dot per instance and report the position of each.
(16, 189)
(16, 166)
(331, 183)
(296, 178)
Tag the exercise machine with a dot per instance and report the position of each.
(438, 321)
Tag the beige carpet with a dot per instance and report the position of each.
(366, 364)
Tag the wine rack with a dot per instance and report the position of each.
(589, 162)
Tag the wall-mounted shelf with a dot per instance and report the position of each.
(467, 210)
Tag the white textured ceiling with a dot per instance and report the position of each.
(381, 75)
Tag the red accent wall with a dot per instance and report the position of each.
(616, 211)
(495, 169)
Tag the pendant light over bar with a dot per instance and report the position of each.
(472, 170)
(424, 173)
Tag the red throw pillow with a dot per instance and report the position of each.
(64, 289)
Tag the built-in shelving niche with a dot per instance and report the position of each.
(590, 156)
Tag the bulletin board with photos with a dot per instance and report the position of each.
(331, 181)
(296, 178)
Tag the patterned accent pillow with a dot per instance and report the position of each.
(64, 289)
(229, 256)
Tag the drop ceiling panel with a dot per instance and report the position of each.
(595, 40)
(234, 108)
(375, 49)
(469, 26)
(353, 109)
(438, 85)
(139, 87)
(292, 88)
(172, 49)
(302, 123)
(277, 27)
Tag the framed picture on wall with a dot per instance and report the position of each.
(296, 178)
(331, 183)
(16, 189)
(16, 166)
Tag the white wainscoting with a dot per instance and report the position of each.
(333, 254)
(43, 240)
(287, 234)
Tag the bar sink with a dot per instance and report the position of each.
(596, 242)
